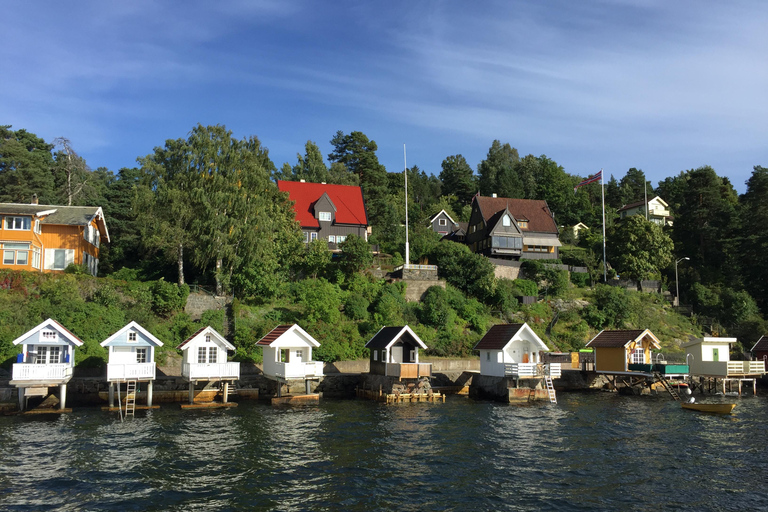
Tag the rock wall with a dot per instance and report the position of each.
(415, 289)
(199, 303)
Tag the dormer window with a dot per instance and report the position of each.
(523, 224)
(506, 221)
(207, 338)
(132, 337)
(48, 335)
(326, 216)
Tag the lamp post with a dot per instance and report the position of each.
(677, 285)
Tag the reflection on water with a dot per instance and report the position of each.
(590, 452)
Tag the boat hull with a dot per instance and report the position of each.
(715, 408)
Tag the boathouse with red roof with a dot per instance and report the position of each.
(288, 354)
(327, 212)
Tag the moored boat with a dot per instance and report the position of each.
(715, 408)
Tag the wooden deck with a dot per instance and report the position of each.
(393, 398)
(138, 408)
(209, 405)
(296, 399)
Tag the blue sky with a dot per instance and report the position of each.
(658, 85)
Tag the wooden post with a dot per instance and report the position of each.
(739, 387)
(225, 398)
(111, 394)
(62, 396)
(191, 392)
(149, 394)
(279, 389)
(754, 387)
(22, 401)
(307, 386)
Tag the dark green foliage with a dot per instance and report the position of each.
(639, 249)
(338, 342)
(458, 179)
(168, 298)
(355, 255)
(580, 279)
(435, 309)
(356, 307)
(25, 167)
(504, 298)
(469, 272)
(214, 318)
(525, 287)
(611, 307)
(389, 305)
(74, 268)
(319, 299)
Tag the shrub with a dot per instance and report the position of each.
(356, 307)
(581, 280)
(320, 300)
(168, 298)
(525, 287)
(434, 307)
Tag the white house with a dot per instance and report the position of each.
(657, 211)
(288, 354)
(395, 353)
(47, 359)
(513, 350)
(131, 358)
(204, 358)
(710, 357)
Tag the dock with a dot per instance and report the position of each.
(209, 405)
(393, 398)
(310, 398)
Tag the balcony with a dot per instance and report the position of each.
(746, 367)
(201, 371)
(299, 370)
(130, 371)
(408, 370)
(26, 372)
(532, 370)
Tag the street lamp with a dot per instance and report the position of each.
(677, 285)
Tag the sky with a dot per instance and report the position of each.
(657, 85)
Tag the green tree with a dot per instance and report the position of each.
(358, 154)
(633, 186)
(458, 179)
(355, 255)
(638, 249)
(497, 172)
(309, 167)
(26, 165)
(316, 258)
(753, 246)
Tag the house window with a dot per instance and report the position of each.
(201, 355)
(375, 355)
(536, 248)
(15, 253)
(54, 354)
(340, 238)
(332, 239)
(306, 237)
(313, 236)
(638, 356)
(35, 257)
(506, 221)
(132, 337)
(141, 355)
(442, 222)
(488, 356)
(212, 354)
(59, 259)
(18, 223)
(326, 216)
(523, 224)
(37, 229)
(48, 335)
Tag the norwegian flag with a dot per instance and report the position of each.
(592, 179)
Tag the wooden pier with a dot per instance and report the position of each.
(310, 398)
(393, 398)
(209, 405)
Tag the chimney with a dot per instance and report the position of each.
(34, 198)
(302, 181)
(494, 195)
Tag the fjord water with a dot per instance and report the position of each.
(595, 451)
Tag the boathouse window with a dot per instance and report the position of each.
(488, 356)
(212, 354)
(40, 354)
(638, 356)
(53, 355)
(375, 355)
(132, 337)
(141, 355)
(48, 335)
(201, 355)
(18, 223)
(324, 216)
(207, 338)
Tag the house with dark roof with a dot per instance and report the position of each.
(442, 223)
(760, 350)
(288, 354)
(47, 359)
(514, 350)
(48, 238)
(395, 353)
(502, 227)
(204, 359)
(327, 212)
(656, 208)
(624, 350)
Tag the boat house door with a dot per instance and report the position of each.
(397, 354)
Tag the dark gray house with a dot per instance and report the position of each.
(395, 353)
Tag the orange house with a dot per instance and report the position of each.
(48, 238)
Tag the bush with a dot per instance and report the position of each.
(76, 269)
(525, 288)
(580, 280)
(168, 298)
(356, 307)
(320, 300)
(435, 309)
(612, 307)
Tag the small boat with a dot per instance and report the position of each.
(715, 408)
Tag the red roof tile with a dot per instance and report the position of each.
(534, 210)
(273, 335)
(350, 206)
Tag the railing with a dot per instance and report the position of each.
(211, 370)
(126, 371)
(532, 370)
(415, 267)
(27, 371)
(745, 367)
(299, 370)
(409, 370)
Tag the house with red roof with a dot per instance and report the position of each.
(503, 227)
(327, 212)
(288, 354)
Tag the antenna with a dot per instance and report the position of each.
(407, 247)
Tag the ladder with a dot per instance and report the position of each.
(231, 389)
(130, 398)
(550, 389)
(667, 386)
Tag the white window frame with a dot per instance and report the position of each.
(638, 355)
(442, 222)
(11, 223)
(312, 237)
(59, 252)
(506, 221)
(332, 239)
(36, 257)
(141, 355)
(306, 237)
(207, 338)
(213, 354)
(202, 354)
(324, 216)
(340, 238)
(48, 335)
(133, 337)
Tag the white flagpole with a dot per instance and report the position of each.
(602, 188)
(407, 248)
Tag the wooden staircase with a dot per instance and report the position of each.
(664, 382)
(550, 389)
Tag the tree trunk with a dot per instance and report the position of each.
(180, 262)
(219, 290)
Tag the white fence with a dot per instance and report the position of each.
(299, 370)
(130, 371)
(26, 371)
(532, 370)
(746, 367)
(211, 371)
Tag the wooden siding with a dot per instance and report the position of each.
(610, 359)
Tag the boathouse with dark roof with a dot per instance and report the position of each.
(395, 353)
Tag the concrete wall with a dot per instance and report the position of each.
(199, 303)
(415, 290)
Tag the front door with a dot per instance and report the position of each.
(397, 354)
(715, 354)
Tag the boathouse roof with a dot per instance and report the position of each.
(388, 336)
(202, 332)
(621, 338)
(762, 343)
(51, 324)
(278, 332)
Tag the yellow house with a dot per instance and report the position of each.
(48, 238)
(615, 350)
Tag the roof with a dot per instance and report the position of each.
(206, 330)
(621, 338)
(59, 215)
(536, 211)
(50, 322)
(276, 333)
(641, 203)
(762, 344)
(498, 336)
(710, 340)
(388, 336)
(446, 214)
(133, 325)
(350, 206)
